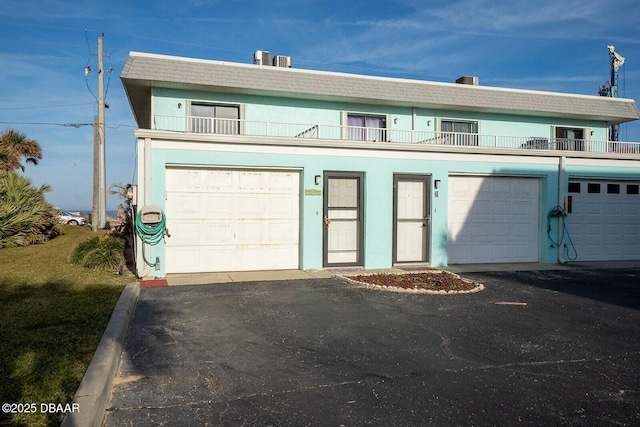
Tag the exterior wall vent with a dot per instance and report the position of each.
(468, 80)
(262, 57)
(282, 61)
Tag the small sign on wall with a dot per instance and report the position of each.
(312, 192)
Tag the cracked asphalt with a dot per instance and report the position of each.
(323, 352)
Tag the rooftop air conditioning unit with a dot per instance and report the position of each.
(282, 61)
(262, 57)
(468, 80)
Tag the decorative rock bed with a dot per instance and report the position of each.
(422, 282)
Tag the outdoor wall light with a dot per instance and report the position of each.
(179, 105)
(318, 179)
(436, 184)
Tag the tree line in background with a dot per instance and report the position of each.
(26, 217)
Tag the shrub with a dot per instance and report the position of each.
(100, 253)
(26, 218)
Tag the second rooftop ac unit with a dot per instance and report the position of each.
(282, 61)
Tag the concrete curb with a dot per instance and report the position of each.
(93, 393)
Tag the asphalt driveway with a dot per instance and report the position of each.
(322, 352)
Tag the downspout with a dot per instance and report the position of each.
(562, 185)
(414, 119)
(145, 170)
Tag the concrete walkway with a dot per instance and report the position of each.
(244, 276)
(255, 276)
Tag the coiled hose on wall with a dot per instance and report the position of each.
(150, 234)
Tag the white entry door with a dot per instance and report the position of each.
(411, 215)
(231, 220)
(343, 219)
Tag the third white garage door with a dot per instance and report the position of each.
(493, 219)
(605, 223)
(231, 220)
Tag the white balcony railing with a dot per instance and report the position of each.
(353, 133)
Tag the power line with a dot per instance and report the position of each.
(47, 106)
(68, 125)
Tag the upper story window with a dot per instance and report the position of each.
(570, 138)
(458, 132)
(214, 118)
(362, 127)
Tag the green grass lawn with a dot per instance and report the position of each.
(52, 316)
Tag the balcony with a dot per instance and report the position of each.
(378, 135)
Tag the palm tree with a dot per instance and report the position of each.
(26, 218)
(14, 146)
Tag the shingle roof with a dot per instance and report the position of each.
(143, 71)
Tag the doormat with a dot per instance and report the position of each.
(155, 283)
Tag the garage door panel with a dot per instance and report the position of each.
(283, 182)
(282, 206)
(199, 233)
(524, 231)
(612, 208)
(249, 206)
(523, 207)
(612, 250)
(502, 230)
(184, 207)
(183, 179)
(481, 207)
(217, 207)
(232, 220)
(493, 219)
(280, 232)
(631, 209)
(213, 180)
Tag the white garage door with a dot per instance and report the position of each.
(493, 219)
(605, 223)
(231, 220)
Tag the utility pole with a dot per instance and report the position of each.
(99, 216)
(96, 177)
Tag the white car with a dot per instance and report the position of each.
(67, 218)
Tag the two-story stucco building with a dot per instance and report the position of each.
(266, 167)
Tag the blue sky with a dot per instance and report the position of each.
(553, 45)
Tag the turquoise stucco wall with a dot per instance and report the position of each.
(378, 168)
(378, 187)
(311, 112)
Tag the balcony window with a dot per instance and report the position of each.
(570, 139)
(212, 118)
(459, 132)
(366, 127)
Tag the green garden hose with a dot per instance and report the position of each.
(150, 234)
(558, 212)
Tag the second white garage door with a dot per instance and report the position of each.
(605, 223)
(232, 220)
(493, 219)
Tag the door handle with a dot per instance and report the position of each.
(327, 221)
